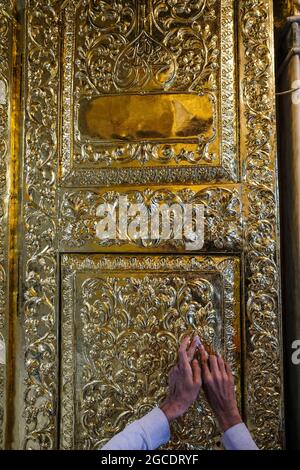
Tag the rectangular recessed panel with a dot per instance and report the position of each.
(148, 92)
(155, 117)
(123, 319)
(79, 218)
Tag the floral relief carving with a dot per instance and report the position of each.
(143, 47)
(188, 52)
(264, 380)
(144, 63)
(223, 228)
(42, 234)
(133, 343)
(39, 254)
(169, 13)
(129, 328)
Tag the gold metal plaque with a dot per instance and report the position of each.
(122, 322)
(152, 117)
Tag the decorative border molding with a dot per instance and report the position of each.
(187, 175)
(262, 277)
(6, 40)
(39, 217)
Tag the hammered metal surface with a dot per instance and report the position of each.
(122, 322)
(78, 50)
(222, 213)
(7, 27)
(121, 55)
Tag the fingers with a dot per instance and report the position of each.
(192, 349)
(213, 365)
(183, 357)
(196, 372)
(221, 364)
(204, 365)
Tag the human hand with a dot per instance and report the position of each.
(184, 381)
(218, 386)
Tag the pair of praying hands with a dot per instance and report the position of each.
(189, 376)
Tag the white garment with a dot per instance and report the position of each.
(2, 352)
(153, 431)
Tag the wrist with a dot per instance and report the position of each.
(229, 419)
(171, 409)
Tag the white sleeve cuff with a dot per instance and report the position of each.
(147, 433)
(156, 427)
(238, 438)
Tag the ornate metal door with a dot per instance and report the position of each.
(152, 100)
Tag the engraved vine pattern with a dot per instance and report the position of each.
(223, 229)
(111, 61)
(125, 323)
(264, 386)
(39, 260)
(186, 58)
(98, 34)
(130, 327)
(129, 46)
(40, 244)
